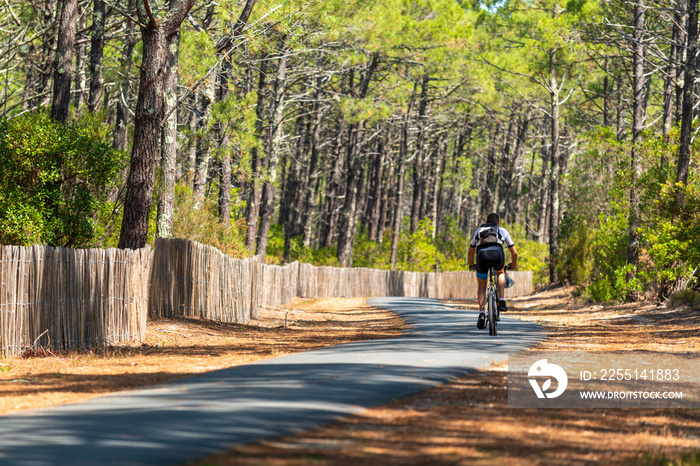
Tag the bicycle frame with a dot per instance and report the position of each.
(492, 302)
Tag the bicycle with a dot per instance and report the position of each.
(492, 314)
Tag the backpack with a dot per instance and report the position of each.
(488, 234)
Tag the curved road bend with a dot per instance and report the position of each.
(185, 420)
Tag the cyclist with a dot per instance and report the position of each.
(487, 248)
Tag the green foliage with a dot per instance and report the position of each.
(235, 118)
(370, 254)
(418, 252)
(453, 245)
(532, 256)
(594, 252)
(199, 221)
(609, 266)
(576, 257)
(200, 51)
(297, 251)
(275, 245)
(54, 179)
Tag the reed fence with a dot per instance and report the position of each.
(329, 282)
(70, 298)
(190, 279)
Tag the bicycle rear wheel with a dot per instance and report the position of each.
(492, 310)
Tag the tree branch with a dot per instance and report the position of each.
(152, 19)
(176, 15)
(123, 13)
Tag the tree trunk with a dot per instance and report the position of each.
(440, 153)
(275, 143)
(312, 181)
(97, 42)
(398, 215)
(690, 70)
(620, 120)
(418, 160)
(544, 190)
(554, 174)
(168, 153)
(223, 93)
(503, 180)
(253, 204)
(80, 58)
(387, 194)
(376, 189)
(639, 84)
(354, 177)
(679, 18)
(403, 152)
(487, 191)
(288, 210)
(48, 53)
(348, 218)
(291, 179)
(63, 71)
(329, 226)
(149, 114)
(29, 79)
(120, 127)
(201, 172)
(669, 87)
(518, 163)
(606, 96)
(528, 229)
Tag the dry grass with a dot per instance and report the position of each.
(175, 348)
(469, 422)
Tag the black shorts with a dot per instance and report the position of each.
(490, 256)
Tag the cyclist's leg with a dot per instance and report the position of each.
(481, 292)
(481, 278)
(501, 281)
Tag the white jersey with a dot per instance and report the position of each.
(503, 233)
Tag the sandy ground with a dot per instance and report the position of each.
(469, 422)
(176, 348)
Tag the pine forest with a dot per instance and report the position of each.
(362, 133)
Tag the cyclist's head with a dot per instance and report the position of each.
(492, 218)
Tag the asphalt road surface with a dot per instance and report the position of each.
(186, 420)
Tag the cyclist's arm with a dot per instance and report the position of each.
(513, 257)
(470, 255)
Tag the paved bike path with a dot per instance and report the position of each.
(185, 420)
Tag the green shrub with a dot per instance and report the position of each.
(199, 221)
(532, 255)
(371, 254)
(54, 179)
(575, 261)
(417, 251)
(601, 290)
